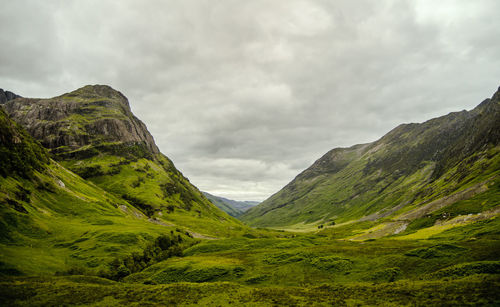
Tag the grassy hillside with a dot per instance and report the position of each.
(414, 173)
(19, 153)
(92, 132)
(370, 226)
(53, 220)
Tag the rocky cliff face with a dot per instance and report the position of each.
(93, 133)
(90, 116)
(6, 96)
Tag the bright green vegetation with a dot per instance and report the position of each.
(158, 190)
(280, 268)
(314, 259)
(92, 132)
(111, 221)
(57, 221)
(19, 153)
(403, 180)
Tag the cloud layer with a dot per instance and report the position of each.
(243, 95)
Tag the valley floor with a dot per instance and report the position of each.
(289, 269)
(92, 291)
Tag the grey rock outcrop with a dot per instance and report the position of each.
(93, 115)
(7, 96)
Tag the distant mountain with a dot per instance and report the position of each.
(232, 207)
(92, 132)
(412, 177)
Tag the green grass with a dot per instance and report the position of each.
(298, 259)
(68, 222)
(78, 228)
(404, 170)
(475, 290)
(158, 190)
(135, 218)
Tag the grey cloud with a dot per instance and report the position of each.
(243, 95)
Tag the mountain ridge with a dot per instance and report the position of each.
(232, 207)
(347, 184)
(7, 95)
(93, 132)
(89, 115)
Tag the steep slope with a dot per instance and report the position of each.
(19, 153)
(7, 95)
(76, 123)
(92, 132)
(232, 207)
(52, 220)
(419, 169)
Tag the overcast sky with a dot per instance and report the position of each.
(243, 95)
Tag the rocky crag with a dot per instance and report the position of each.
(92, 132)
(90, 116)
(6, 96)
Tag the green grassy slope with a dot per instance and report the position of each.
(410, 167)
(19, 153)
(92, 132)
(52, 220)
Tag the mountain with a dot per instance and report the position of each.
(416, 176)
(93, 133)
(51, 219)
(6, 96)
(83, 245)
(82, 121)
(232, 207)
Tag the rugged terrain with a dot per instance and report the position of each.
(99, 217)
(119, 195)
(417, 180)
(6, 96)
(93, 133)
(51, 219)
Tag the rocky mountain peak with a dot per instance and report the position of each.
(496, 96)
(90, 117)
(490, 104)
(6, 96)
(98, 91)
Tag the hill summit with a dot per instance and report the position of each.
(79, 121)
(93, 132)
